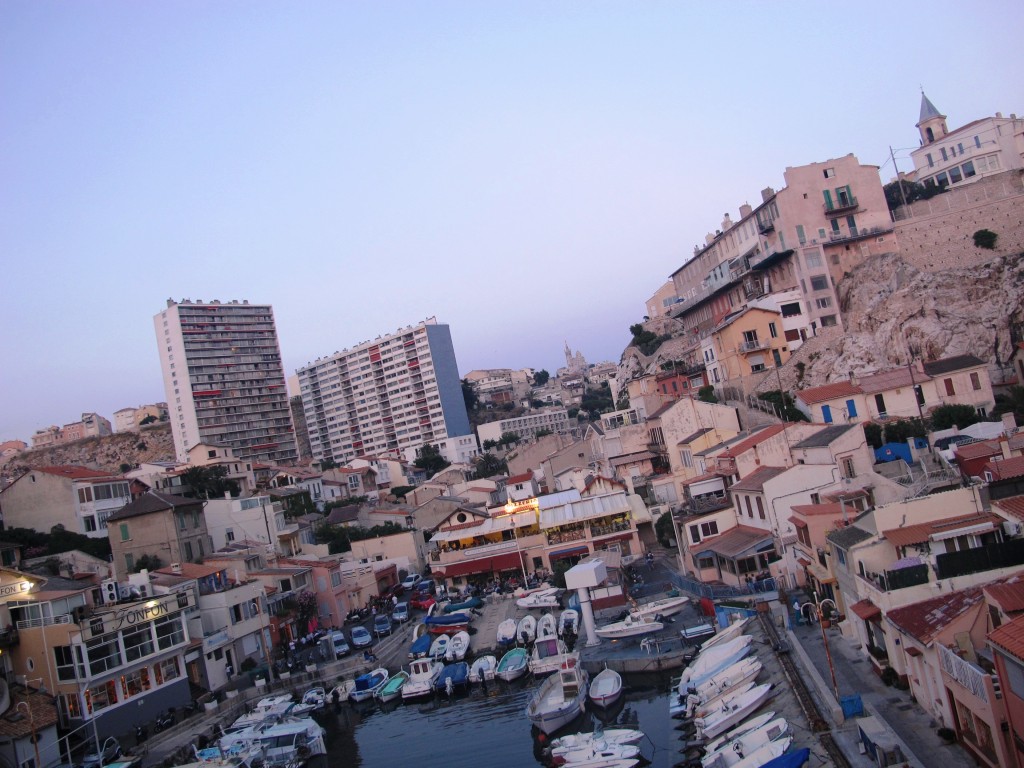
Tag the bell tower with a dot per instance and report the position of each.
(932, 123)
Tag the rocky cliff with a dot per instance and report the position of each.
(103, 453)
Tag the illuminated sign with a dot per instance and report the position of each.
(528, 505)
(139, 612)
(11, 589)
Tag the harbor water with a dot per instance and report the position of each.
(485, 727)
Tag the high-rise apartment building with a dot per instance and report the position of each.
(224, 379)
(400, 391)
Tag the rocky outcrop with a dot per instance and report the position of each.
(104, 453)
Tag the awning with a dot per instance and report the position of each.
(580, 550)
(866, 610)
(506, 562)
(803, 561)
(913, 652)
(606, 539)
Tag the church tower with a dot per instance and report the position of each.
(932, 124)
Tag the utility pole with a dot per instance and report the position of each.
(899, 181)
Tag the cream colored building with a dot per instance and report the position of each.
(170, 528)
(77, 498)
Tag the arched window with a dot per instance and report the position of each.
(928, 133)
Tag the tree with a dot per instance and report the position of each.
(209, 482)
(430, 460)
(148, 420)
(469, 396)
(873, 434)
(536, 403)
(901, 430)
(664, 529)
(1011, 402)
(509, 438)
(707, 394)
(489, 465)
(543, 432)
(307, 608)
(784, 404)
(985, 238)
(147, 562)
(947, 416)
(573, 413)
(540, 378)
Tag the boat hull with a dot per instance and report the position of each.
(605, 688)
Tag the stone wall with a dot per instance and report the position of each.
(939, 234)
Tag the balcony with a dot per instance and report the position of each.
(842, 205)
(857, 233)
(1003, 555)
(610, 528)
(764, 227)
(754, 346)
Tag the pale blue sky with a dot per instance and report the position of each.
(528, 172)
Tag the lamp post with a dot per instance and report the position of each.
(263, 635)
(32, 727)
(817, 606)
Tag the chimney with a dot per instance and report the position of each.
(745, 210)
(766, 194)
(726, 223)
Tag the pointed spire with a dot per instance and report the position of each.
(928, 110)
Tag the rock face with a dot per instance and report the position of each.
(103, 453)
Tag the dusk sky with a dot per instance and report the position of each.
(527, 172)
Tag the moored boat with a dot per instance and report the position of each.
(559, 699)
(795, 759)
(606, 687)
(736, 711)
(575, 741)
(392, 689)
(546, 626)
(730, 678)
(455, 622)
(549, 653)
(423, 673)
(725, 634)
(483, 669)
(568, 622)
(725, 752)
(548, 598)
(753, 759)
(420, 647)
(512, 665)
(458, 647)
(632, 626)
(439, 647)
(666, 606)
(714, 659)
(452, 677)
(466, 606)
(367, 685)
(600, 751)
(507, 632)
(526, 630)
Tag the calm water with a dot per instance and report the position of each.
(486, 727)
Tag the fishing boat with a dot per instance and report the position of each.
(726, 752)
(547, 598)
(507, 632)
(549, 653)
(526, 630)
(265, 709)
(423, 673)
(606, 687)
(392, 689)
(341, 691)
(569, 622)
(483, 669)
(559, 699)
(420, 647)
(439, 647)
(456, 622)
(794, 759)
(546, 626)
(666, 606)
(367, 685)
(736, 711)
(452, 677)
(513, 664)
(574, 741)
(725, 634)
(632, 626)
(753, 759)
(714, 659)
(743, 671)
(465, 606)
(458, 647)
(278, 742)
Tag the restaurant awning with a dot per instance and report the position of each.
(866, 610)
(494, 564)
(580, 550)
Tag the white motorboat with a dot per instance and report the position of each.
(314, 698)
(341, 691)
(725, 634)
(743, 671)
(575, 741)
(265, 709)
(546, 599)
(714, 659)
(759, 757)
(367, 685)
(279, 743)
(606, 687)
(483, 669)
(543, 588)
(423, 673)
(507, 632)
(598, 750)
(605, 762)
(632, 626)
(439, 647)
(546, 626)
(559, 699)
(729, 751)
(526, 630)
(458, 647)
(735, 711)
(549, 653)
(513, 664)
(666, 606)
(750, 724)
(568, 622)
(714, 702)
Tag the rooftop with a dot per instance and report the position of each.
(828, 392)
(924, 620)
(1010, 637)
(744, 445)
(755, 480)
(979, 450)
(1009, 595)
(922, 532)
(950, 364)
(826, 436)
(153, 501)
(690, 438)
(1004, 469)
(844, 538)
(75, 472)
(1012, 505)
(819, 509)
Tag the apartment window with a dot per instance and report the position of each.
(101, 697)
(760, 507)
(195, 519)
(955, 176)
(166, 670)
(819, 283)
(931, 162)
(948, 384)
(705, 562)
(750, 336)
(750, 510)
(709, 529)
(812, 258)
(181, 522)
(968, 169)
(800, 236)
(773, 331)
(840, 555)
(827, 321)
(830, 173)
(138, 642)
(187, 549)
(975, 382)
(695, 534)
(686, 457)
(129, 561)
(84, 495)
(124, 531)
(791, 310)
(945, 156)
(229, 534)
(942, 179)
(824, 302)
(89, 522)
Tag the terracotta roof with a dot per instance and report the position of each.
(819, 509)
(917, 534)
(42, 708)
(193, 570)
(525, 477)
(866, 610)
(75, 472)
(828, 392)
(978, 450)
(1008, 596)
(897, 378)
(950, 364)
(758, 437)
(151, 502)
(1010, 637)
(1012, 505)
(922, 621)
(702, 478)
(755, 480)
(1004, 469)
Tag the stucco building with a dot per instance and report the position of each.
(80, 499)
(170, 528)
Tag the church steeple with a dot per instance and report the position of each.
(932, 123)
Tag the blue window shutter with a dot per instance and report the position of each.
(826, 414)
(851, 409)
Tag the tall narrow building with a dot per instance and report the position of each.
(400, 391)
(224, 379)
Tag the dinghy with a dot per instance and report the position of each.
(392, 689)
(724, 635)
(420, 647)
(507, 632)
(737, 710)
(632, 626)
(606, 688)
(367, 685)
(458, 647)
(453, 677)
(546, 626)
(569, 622)
(727, 753)
(526, 630)
(574, 741)
(483, 669)
(756, 759)
(666, 606)
(439, 647)
(597, 751)
(715, 659)
(546, 599)
(513, 664)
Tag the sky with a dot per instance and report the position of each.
(528, 172)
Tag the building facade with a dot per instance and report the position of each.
(399, 391)
(224, 379)
(78, 498)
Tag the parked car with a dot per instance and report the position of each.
(361, 638)
(340, 645)
(425, 587)
(411, 580)
(109, 752)
(382, 624)
(396, 590)
(422, 601)
(400, 614)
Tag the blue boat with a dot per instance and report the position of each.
(473, 602)
(447, 624)
(421, 647)
(790, 759)
(457, 673)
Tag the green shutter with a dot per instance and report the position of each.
(828, 200)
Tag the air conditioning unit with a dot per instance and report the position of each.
(1011, 529)
(124, 592)
(110, 594)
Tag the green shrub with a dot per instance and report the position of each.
(985, 238)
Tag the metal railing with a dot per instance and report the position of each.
(754, 346)
(723, 591)
(46, 621)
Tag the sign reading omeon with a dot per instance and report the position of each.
(135, 613)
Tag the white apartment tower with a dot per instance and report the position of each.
(224, 379)
(400, 391)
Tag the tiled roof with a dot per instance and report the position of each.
(75, 472)
(42, 708)
(824, 437)
(153, 501)
(978, 450)
(1009, 596)
(758, 437)
(734, 542)
(922, 621)
(629, 458)
(865, 609)
(1010, 637)
(917, 534)
(950, 364)
(702, 478)
(192, 570)
(755, 480)
(1012, 505)
(844, 538)
(897, 378)
(525, 477)
(828, 392)
(1004, 469)
(819, 509)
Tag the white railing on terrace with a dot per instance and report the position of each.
(64, 618)
(483, 549)
(970, 676)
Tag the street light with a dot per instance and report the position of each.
(817, 606)
(32, 727)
